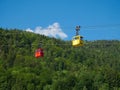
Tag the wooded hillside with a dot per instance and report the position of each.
(95, 66)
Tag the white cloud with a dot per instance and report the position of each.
(53, 30)
(29, 30)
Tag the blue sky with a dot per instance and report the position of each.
(99, 19)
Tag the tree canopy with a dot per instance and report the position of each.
(94, 66)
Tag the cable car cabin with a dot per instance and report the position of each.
(77, 41)
(39, 53)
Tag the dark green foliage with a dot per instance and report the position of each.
(95, 66)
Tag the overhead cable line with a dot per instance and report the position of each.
(87, 27)
(55, 44)
(96, 26)
(102, 26)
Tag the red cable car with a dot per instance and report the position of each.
(39, 53)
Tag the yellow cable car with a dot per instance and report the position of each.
(77, 41)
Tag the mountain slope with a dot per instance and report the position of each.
(94, 66)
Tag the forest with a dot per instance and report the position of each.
(94, 66)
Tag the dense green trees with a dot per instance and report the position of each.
(95, 66)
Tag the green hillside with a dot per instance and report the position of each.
(95, 66)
